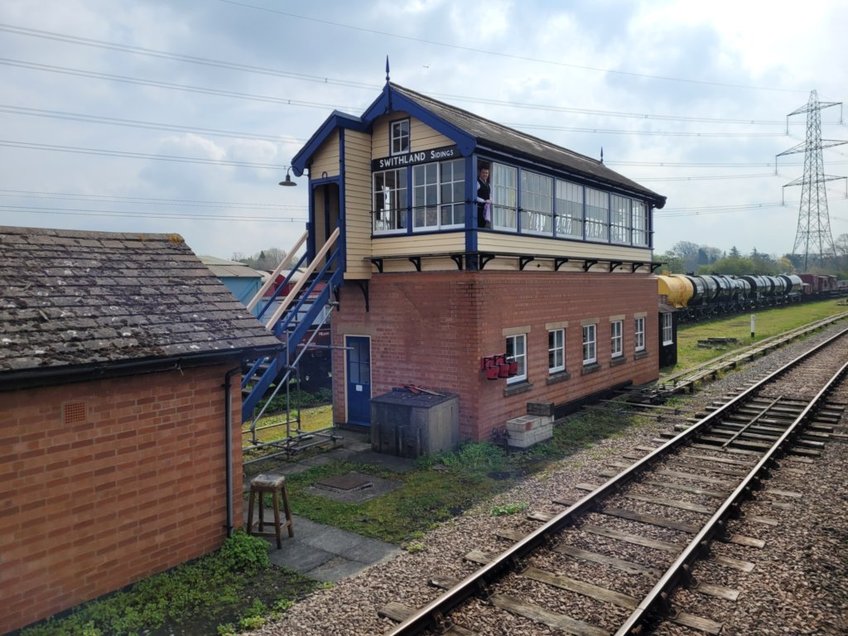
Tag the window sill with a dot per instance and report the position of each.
(617, 361)
(590, 368)
(640, 354)
(518, 387)
(559, 376)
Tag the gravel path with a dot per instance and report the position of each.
(804, 564)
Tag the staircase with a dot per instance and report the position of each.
(292, 318)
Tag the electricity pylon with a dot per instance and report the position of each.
(813, 238)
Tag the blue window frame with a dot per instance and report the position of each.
(438, 195)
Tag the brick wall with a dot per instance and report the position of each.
(432, 328)
(104, 483)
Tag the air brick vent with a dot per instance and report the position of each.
(74, 412)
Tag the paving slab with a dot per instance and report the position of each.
(325, 553)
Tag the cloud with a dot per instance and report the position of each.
(590, 62)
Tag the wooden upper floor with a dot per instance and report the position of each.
(401, 181)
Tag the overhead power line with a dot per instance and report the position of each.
(655, 133)
(715, 209)
(191, 59)
(201, 203)
(147, 125)
(708, 164)
(204, 90)
(501, 54)
(277, 166)
(708, 177)
(139, 155)
(134, 123)
(148, 215)
(167, 85)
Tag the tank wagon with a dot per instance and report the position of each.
(710, 295)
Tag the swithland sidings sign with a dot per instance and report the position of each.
(412, 158)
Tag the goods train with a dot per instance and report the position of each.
(708, 295)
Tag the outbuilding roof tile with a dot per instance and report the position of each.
(71, 298)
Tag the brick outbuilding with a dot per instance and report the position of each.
(120, 452)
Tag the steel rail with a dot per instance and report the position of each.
(432, 615)
(753, 421)
(679, 570)
(679, 380)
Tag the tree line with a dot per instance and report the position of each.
(686, 257)
(264, 260)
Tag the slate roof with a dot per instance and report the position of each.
(496, 135)
(70, 299)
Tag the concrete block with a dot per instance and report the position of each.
(526, 438)
(523, 423)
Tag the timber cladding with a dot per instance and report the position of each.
(432, 329)
(103, 483)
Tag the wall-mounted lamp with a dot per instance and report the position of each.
(288, 181)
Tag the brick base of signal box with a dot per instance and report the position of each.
(432, 328)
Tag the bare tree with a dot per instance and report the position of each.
(266, 259)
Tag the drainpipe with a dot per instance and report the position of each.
(228, 444)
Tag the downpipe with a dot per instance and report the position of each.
(228, 444)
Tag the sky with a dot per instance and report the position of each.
(181, 116)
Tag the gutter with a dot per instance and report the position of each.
(49, 376)
(228, 444)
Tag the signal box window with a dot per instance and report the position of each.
(590, 344)
(505, 197)
(616, 339)
(667, 331)
(438, 192)
(640, 334)
(400, 137)
(390, 200)
(516, 348)
(556, 351)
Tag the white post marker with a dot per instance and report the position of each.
(753, 325)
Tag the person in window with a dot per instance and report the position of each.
(484, 198)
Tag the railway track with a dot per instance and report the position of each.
(685, 381)
(610, 562)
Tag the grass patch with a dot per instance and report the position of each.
(445, 485)
(769, 323)
(234, 586)
(508, 509)
(273, 427)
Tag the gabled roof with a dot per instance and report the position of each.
(492, 135)
(336, 120)
(472, 133)
(72, 300)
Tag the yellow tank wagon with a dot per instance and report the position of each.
(677, 289)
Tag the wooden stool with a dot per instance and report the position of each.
(276, 485)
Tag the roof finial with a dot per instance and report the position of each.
(602, 154)
(387, 69)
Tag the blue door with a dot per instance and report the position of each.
(358, 368)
